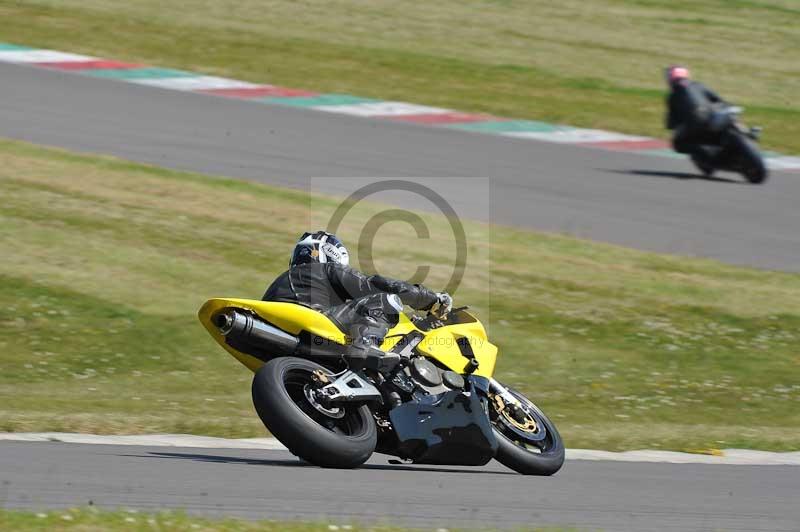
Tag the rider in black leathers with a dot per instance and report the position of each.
(691, 115)
(364, 307)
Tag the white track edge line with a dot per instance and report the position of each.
(721, 457)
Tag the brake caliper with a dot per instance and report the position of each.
(320, 378)
(515, 415)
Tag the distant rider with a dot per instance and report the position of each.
(364, 307)
(691, 114)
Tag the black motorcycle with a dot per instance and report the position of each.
(735, 149)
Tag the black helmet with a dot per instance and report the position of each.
(319, 247)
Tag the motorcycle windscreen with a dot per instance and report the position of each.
(447, 429)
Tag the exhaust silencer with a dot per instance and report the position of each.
(246, 328)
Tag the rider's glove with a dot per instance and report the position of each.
(445, 303)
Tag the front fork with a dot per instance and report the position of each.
(498, 389)
(509, 407)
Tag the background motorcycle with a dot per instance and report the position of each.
(430, 399)
(736, 149)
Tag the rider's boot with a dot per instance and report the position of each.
(364, 351)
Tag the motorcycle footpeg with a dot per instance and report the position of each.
(369, 357)
(381, 361)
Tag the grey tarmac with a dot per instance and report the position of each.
(273, 484)
(652, 203)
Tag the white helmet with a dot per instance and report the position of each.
(320, 247)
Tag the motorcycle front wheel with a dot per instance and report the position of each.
(529, 442)
(755, 168)
(336, 437)
(751, 162)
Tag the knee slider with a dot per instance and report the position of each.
(395, 302)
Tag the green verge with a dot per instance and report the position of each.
(105, 263)
(92, 520)
(590, 63)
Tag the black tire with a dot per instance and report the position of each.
(547, 455)
(279, 398)
(706, 170)
(752, 163)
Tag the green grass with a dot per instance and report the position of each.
(92, 520)
(105, 263)
(592, 63)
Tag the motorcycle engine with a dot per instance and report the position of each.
(421, 375)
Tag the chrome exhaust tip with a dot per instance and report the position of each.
(224, 322)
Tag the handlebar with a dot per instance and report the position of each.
(442, 312)
(727, 109)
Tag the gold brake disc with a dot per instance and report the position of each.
(527, 425)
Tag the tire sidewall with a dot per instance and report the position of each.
(526, 462)
(755, 171)
(302, 435)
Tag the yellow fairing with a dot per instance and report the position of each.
(286, 316)
(440, 344)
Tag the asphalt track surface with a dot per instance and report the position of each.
(275, 485)
(648, 202)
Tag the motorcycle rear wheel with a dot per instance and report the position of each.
(542, 457)
(707, 171)
(343, 437)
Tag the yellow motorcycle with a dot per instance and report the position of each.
(430, 399)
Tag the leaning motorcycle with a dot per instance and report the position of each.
(430, 399)
(737, 149)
